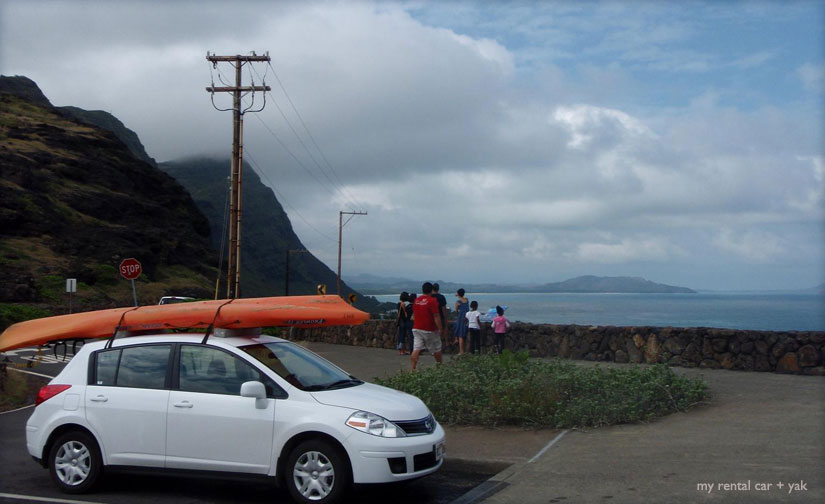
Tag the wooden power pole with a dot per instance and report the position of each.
(233, 271)
(340, 236)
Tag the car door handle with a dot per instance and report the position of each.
(99, 398)
(183, 404)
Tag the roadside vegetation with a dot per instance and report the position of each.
(512, 389)
(17, 389)
(11, 313)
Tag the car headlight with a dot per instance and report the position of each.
(374, 424)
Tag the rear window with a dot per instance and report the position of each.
(136, 367)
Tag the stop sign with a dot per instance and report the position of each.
(130, 268)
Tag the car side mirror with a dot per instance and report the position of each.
(257, 390)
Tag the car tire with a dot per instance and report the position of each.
(74, 462)
(316, 472)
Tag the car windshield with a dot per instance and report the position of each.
(300, 367)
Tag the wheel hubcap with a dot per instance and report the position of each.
(313, 475)
(72, 463)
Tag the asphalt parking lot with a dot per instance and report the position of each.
(758, 429)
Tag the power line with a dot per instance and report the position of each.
(294, 157)
(331, 189)
(281, 197)
(340, 185)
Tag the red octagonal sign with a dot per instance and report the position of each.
(130, 268)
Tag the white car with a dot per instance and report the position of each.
(175, 299)
(258, 405)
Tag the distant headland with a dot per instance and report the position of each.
(373, 285)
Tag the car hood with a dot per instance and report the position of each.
(389, 403)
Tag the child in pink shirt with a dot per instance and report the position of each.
(500, 325)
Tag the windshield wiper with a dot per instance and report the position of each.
(353, 381)
(343, 383)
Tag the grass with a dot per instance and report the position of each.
(511, 389)
(16, 390)
(13, 313)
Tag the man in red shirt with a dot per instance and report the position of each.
(426, 325)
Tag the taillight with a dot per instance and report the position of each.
(50, 391)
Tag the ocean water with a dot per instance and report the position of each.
(758, 311)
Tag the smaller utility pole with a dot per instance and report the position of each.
(340, 232)
(286, 275)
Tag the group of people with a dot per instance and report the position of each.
(422, 321)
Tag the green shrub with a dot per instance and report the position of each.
(14, 390)
(13, 313)
(51, 288)
(511, 389)
(107, 274)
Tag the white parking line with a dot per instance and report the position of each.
(18, 409)
(46, 359)
(31, 373)
(34, 498)
(551, 443)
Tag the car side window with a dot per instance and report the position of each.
(136, 367)
(212, 371)
(106, 369)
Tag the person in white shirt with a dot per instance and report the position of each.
(474, 327)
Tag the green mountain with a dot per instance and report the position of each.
(27, 89)
(591, 283)
(75, 201)
(372, 284)
(266, 233)
(111, 123)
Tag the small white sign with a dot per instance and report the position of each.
(71, 285)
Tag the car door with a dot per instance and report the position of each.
(209, 425)
(126, 403)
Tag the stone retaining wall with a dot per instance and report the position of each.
(798, 352)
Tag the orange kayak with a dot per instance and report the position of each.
(300, 311)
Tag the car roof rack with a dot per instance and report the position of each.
(249, 332)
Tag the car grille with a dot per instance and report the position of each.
(417, 427)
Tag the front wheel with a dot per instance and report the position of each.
(316, 472)
(74, 462)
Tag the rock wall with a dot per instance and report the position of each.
(796, 352)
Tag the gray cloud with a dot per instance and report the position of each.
(478, 157)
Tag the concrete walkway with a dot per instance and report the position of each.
(762, 439)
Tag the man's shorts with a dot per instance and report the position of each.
(429, 340)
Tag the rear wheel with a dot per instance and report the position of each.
(74, 462)
(316, 472)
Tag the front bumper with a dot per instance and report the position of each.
(383, 460)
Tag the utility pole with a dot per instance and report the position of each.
(233, 271)
(340, 233)
(286, 275)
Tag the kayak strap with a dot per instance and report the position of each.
(118, 327)
(211, 327)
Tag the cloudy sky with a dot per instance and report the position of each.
(487, 141)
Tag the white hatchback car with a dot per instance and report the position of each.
(238, 404)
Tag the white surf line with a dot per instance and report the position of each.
(549, 445)
(18, 409)
(33, 498)
(31, 373)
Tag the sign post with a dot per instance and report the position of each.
(71, 287)
(130, 269)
